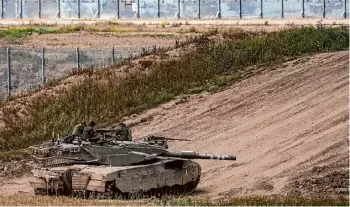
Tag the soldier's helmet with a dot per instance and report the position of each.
(122, 124)
(92, 124)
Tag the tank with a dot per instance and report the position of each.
(115, 169)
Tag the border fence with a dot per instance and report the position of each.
(165, 9)
(24, 69)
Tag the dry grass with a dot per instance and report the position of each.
(273, 200)
(28, 200)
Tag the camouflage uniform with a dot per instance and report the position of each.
(88, 133)
(78, 129)
(124, 133)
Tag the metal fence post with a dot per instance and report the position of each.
(138, 9)
(8, 72)
(2, 9)
(178, 8)
(261, 10)
(20, 7)
(58, 9)
(78, 9)
(282, 9)
(240, 9)
(99, 9)
(303, 9)
(78, 58)
(113, 56)
(118, 15)
(199, 9)
(324, 9)
(345, 14)
(39, 8)
(158, 9)
(43, 80)
(219, 10)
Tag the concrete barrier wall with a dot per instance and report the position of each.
(173, 9)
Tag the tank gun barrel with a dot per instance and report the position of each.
(156, 138)
(195, 155)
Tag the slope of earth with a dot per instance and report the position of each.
(288, 128)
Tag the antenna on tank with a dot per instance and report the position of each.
(53, 138)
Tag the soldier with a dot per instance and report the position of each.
(124, 133)
(78, 129)
(88, 132)
(77, 133)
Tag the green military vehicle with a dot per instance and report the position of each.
(115, 169)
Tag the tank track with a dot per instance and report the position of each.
(114, 193)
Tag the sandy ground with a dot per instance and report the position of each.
(99, 40)
(278, 124)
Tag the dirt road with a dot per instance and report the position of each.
(280, 123)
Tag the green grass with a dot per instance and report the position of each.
(273, 200)
(106, 97)
(18, 35)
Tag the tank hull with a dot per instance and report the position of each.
(163, 177)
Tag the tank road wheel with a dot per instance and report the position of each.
(100, 196)
(153, 192)
(110, 191)
(176, 190)
(160, 193)
(125, 195)
(40, 191)
(171, 191)
(166, 191)
(118, 194)
(92, 195)
(147, 194)
(81, 194)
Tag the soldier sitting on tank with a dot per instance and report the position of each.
(89, 133)
(123, 133)
(78, 129)
(76, 134)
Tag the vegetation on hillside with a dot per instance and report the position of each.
(106, 97)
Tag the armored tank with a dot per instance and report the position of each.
(115, 169)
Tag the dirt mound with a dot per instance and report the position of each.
(279, 124)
